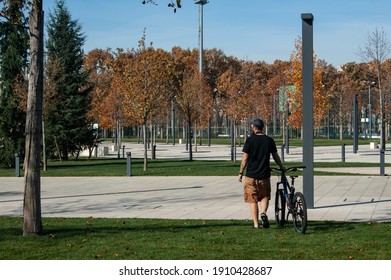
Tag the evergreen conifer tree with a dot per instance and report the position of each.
(67, 94)
(13, 64)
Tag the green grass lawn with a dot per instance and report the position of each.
(158, 167)
(148, 239)
(318, 142)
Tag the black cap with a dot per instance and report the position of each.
(258, 123)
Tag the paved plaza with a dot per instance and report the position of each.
(365, 197)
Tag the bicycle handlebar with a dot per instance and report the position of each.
(294, 168)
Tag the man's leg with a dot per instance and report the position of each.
(264, 190)
(264, 204)
(254, 213)
(251, 197)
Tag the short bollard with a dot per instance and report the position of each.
(129, 164)
(154, 152)
(343, 152)
(382, 161)
(123, 151)
(96, 150)
(282, 152)
(17, 165)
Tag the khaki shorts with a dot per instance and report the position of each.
(256, 189)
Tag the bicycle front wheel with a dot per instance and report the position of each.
(280, 205)
(299, 213)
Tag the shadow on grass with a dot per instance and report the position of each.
(329, 226)
(72, 227)
(123, 226)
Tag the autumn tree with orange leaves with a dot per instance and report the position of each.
(194, 95)
(295, 96)
(99, 63)
(277, 78)
(263, 98)
(216, 62)
(146, 83)
(241, 89)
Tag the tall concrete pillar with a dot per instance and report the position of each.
(308, 115)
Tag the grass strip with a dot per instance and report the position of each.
(154, 239)
(160, 167)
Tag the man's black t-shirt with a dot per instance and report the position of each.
(259, 148)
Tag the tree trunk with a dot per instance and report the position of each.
(190, 139)
(167, 128)
(119, 143)
(58, 148)
(151, 138)
(145, 147)
(195, 138)
(32, 217)
(340, 115)
(234, 140)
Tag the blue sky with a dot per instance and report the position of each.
(258, 30)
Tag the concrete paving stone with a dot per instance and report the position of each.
(341, 198)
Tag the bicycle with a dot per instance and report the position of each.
(288, 199)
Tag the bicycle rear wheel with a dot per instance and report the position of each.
(280, 205)
(299, 213)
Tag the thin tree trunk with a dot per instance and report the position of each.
(57, 148)
(152, 130)
(145, 147)
(235, 135)
(32, 217)
(190, 139)
(340, 115)
(167, 127)
(195, 138)
(119, 135)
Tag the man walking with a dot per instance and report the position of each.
(256, 157)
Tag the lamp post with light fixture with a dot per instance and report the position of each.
(201, 3)
(201, 30)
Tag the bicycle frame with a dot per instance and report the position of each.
(288, 201)
(288, 189)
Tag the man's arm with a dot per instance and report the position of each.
(278, 161)
(243, 165)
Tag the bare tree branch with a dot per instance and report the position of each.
(376, 50)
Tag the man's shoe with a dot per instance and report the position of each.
(265, 221)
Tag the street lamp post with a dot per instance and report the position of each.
(200, 34)
(201, 3)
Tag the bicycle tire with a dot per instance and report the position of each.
(299, 213)
(280, 206)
